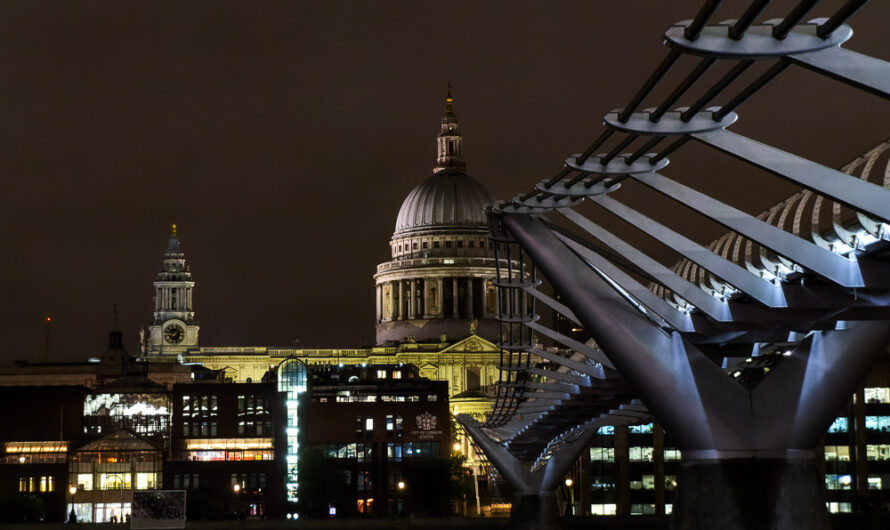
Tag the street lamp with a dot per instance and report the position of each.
(401, 485)
(240, 512)
(569, 483)
(72, 517)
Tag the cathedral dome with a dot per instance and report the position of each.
(450, 199)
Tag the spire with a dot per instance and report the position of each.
(174, 259)
(173, 246)
(115, 337)
(450, 140)
(449, 101)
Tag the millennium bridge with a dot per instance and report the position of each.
(806, 282)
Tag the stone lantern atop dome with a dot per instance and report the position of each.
(439, 282)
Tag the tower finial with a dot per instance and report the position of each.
(173, 230)
(449, 140)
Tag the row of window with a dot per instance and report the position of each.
(397, 451)
(116, 481)
(635, 509)
(230, 456)
(635, 454)
(188, 481)
(841, 453)
(360, 452)
(396, 374)
(609, 430)
(252, 404)
(872, 423)
(424, 245)
(349, 397)
(38, 458)
(206, 405)
(197, 429)
(43, 484)
(248, 481)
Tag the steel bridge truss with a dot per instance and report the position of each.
(815, 299)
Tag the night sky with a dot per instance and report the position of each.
(282, 137)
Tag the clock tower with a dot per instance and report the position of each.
(174, 328)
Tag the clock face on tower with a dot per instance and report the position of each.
(174, 334)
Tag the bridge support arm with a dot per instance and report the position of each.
(682, 387)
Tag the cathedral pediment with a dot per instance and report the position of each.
(472, 344)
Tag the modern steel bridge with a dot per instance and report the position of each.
(806, 282)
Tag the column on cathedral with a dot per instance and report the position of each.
(401, 311)
(419, 299)
(412, 285)
(377, 302)
(470, 281)
(455, 284)
(490, 299)
(392, 300)
(440, 300)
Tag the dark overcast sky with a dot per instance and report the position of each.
(283, 136)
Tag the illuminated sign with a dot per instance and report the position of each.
(426, 427)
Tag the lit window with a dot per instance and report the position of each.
(837, 452)
(877, 395)
(606, 430)
(640, 429)
(640, 454)
(390, 424)
(839, 507)
(147, 481)
(381, 374)
(84, 481)
(838, 482)
(603, 509)
(839, 425)
(874, 482)
(602, 454)
(877, 423)
(396, 374)
(648, 482)
(877, 451)
(369, 424)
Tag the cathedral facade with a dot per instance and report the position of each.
(435, 298)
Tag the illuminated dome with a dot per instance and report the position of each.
(439, 285)
(450, 199)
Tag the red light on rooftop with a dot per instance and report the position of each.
(49, 319)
